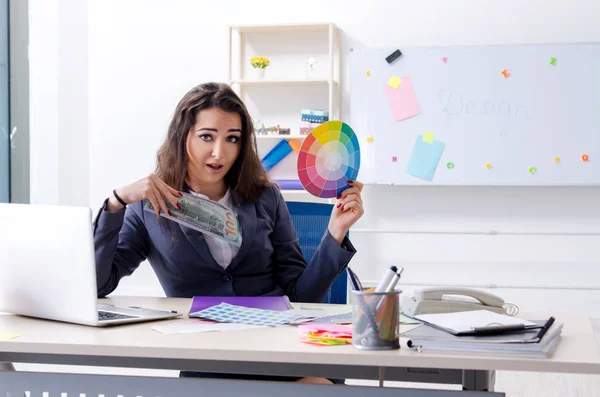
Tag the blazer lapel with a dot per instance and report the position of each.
(246, 213)
(197, 241)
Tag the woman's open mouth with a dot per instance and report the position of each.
(215, 168)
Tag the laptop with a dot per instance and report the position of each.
(48, 270)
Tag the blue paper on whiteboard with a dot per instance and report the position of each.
(425, 158)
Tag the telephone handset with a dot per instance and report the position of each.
(453, 299)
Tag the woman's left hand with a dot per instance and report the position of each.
(346, 211)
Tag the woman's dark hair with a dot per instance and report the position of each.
(247, 176)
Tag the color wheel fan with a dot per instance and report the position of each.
(328, 158)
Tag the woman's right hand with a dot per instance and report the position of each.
(149, 187)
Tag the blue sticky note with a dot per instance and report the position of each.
(425, 158)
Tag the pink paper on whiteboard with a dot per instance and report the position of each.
(402, 100)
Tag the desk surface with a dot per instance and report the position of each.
(577, 352)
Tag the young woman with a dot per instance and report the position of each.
(210, 151)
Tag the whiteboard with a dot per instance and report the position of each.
(534, 127)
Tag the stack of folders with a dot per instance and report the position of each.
(484, 332)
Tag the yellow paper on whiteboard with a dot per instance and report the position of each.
(9, 336)
(428, 137)
(395, 82)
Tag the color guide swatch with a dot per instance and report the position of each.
(329, 157)
(226, 313)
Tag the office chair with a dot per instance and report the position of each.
(310, 221)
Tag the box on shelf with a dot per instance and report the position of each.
(306, 127)
(315, 115)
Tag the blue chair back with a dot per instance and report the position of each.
(310, 221)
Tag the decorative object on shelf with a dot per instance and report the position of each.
(272, 131)
(279, 152)
(311, 70)
(289, 184)
(261, 130)
(329, 157)
(306, 127)
(260, 64)
(315, 115)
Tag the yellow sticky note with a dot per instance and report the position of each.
(428, 137)
(8, 336)
(369, 139)
(394, 82)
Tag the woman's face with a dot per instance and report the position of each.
(213, 145)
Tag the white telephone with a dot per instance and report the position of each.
(449, 300)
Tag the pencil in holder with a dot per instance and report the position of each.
(375, 320)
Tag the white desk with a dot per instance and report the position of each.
(275, 351)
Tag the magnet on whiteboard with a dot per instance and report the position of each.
(505, 73)
(488, 166)
(557, 159)
(449, 165)
(394, 159)
(368, 73)
(532, 170)
(585, 157)
(369, 139)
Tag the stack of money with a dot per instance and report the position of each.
(205, 216)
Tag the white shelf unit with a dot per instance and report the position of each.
(286, 89)
(291, 136)
(292, 82)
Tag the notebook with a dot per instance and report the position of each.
(523, 344)
(469, 322)
(278, 303)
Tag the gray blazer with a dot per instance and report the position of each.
(269, 261)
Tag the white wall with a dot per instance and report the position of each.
(144, 55)
(58, 54)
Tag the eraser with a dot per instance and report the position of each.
(393, 56)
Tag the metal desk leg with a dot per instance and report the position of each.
(474, 380)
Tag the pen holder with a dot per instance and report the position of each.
(375, 320)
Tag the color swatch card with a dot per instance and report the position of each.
(425, 157)
(403, 99)
(329, 157)
(226, 313)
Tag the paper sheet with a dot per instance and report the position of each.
(193, 326)
(308, 313)
(425, 158)
(466, 321)
(428, 137)
(407, 320)
(402, 100)
(394, 82)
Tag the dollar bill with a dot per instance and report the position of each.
(205, 216)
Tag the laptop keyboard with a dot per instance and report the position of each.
(103, 316)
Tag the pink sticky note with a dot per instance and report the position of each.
(403, 100)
